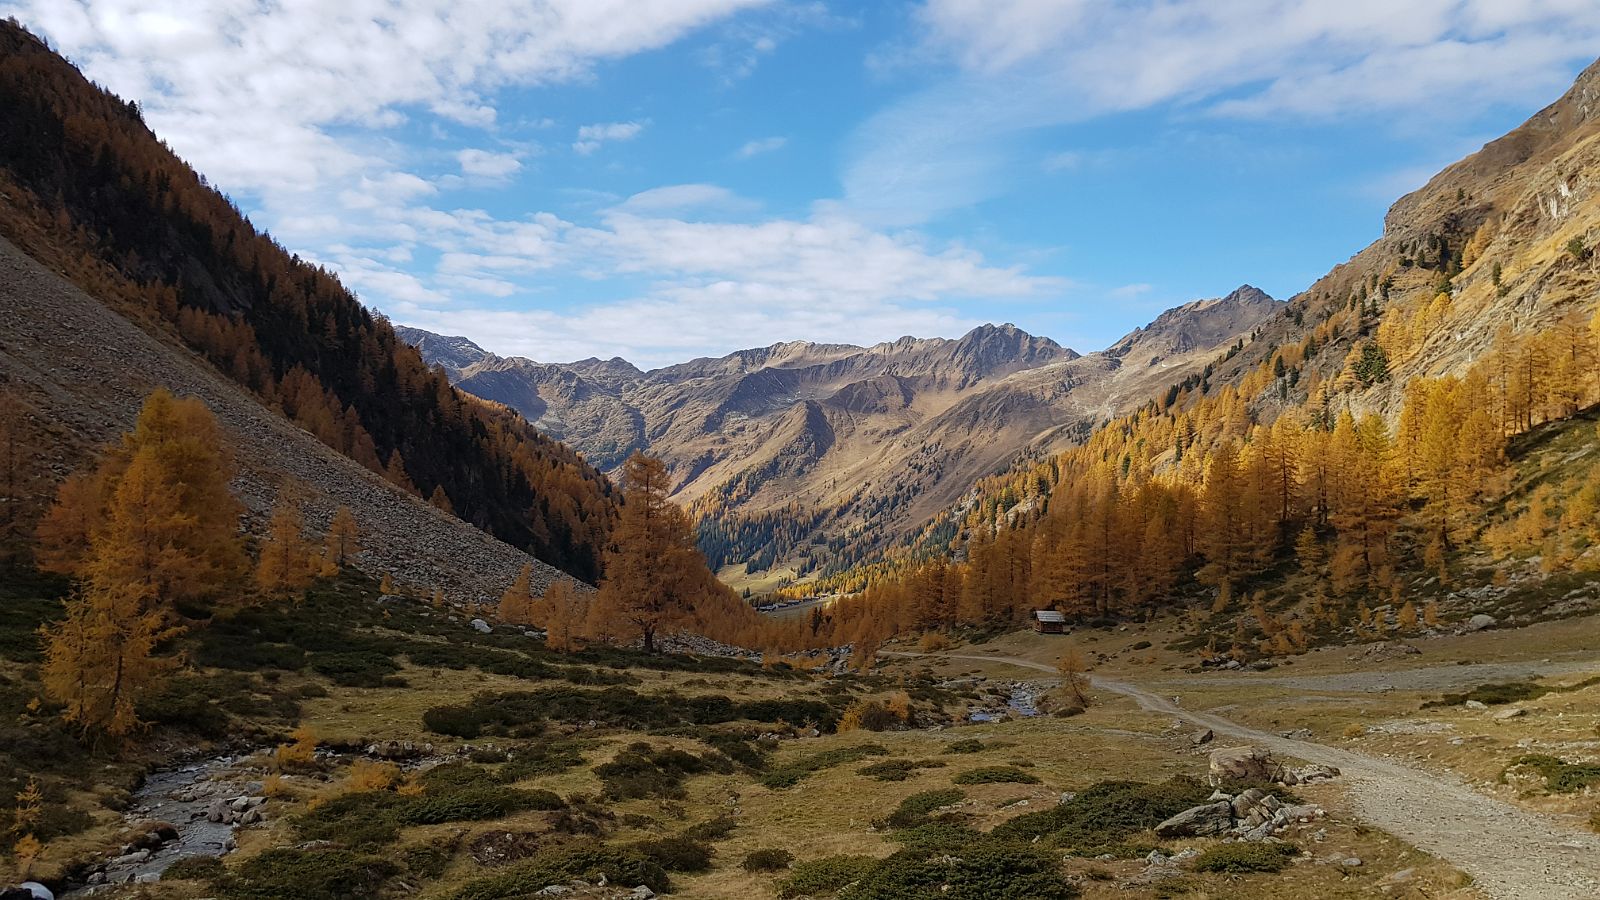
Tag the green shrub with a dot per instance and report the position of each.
(1560, 776)
(362, 668)
(711, 829)
(1102, 817)
(547, 758)
(996, 775)
(195, 868)
(768, 859)
(792, 773)
(898, 769)
(1242, 857)
(821, 876)
(360, 821)
(914, 810)
(326, 874)
(513, 712)
(946, 836)
(476, 804)
(677, 854)
(965, 745)
(641, 771)
(986, 870)
(616, 865)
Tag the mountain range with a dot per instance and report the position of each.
(787, 448)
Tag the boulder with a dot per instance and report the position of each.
(1506, 715)
(1476, 704)
(1201, 738)
(1209, 818)
(1244, 764)
(480, 626)
(1480, 621)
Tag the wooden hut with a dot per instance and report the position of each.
(1049, 621)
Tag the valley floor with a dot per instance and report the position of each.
(1432, 777)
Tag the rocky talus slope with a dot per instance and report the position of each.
(84, 371)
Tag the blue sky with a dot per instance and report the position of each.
(668, 179)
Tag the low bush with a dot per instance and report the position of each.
(898, 769)
(640, 771)
(1560, 776)
(357, 668)
(519, 713)
(915, 809)
(1501, 693)
(821, 876)
(1102, 817)
(792, 773)
(996, 775)
(986, 870)
(677, 854)
(326, 874)
(476, 805)
(1246, 857)
(546, 758)
(946, 836)
(767, 859)
(195, 868)
(617, 865)
(965, 745)
(711, 829)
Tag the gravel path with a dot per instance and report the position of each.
(1511, 853)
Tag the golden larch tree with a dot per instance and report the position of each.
(516, 604)
(343, 538)
(286, 564)
(653, 570)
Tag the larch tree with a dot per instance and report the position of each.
(285, 567)
(152, 525)
(562, 613)
(653, 571)
(343, 538)
(516, 604)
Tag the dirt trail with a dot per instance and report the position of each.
(1511, 853)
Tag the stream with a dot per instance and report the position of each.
(190, 810)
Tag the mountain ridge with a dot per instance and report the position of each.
(865, 441)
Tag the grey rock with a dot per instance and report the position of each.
(1476, 704)
(1480, 621)
(1506, 715)
(1244, 764)
(480, 626)
(1209, 818)
(1201, 738)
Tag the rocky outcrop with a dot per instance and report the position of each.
(1252, 815)
(64, 352)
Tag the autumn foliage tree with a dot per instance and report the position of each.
(516, 604)
(343, 540)
(152, 525)
(561, 612)
(288, 561)
(653, 570)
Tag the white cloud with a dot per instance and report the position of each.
(685, 197)
(1022, 65)
(760, 146)
(253, 92)
(487, 164)
(591, 137)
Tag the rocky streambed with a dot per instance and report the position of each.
(190, 810)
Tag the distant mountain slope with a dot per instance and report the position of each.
(784, 446)
(1492, 267)
(86, 371)
(86, 188)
